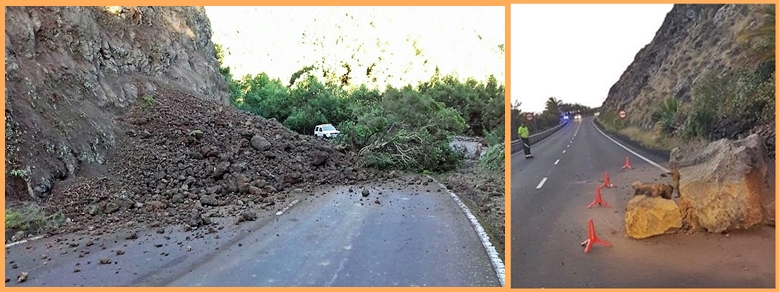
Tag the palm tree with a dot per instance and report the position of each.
(516, 104)
(761, 40)
(553, 105)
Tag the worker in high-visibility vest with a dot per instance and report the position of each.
(524, 135)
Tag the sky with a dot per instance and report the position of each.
(576, 52)
(281, 40)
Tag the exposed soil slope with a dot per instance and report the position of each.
(71, 70)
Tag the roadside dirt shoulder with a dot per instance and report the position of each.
(484, 194)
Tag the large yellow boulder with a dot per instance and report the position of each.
(721, 185)
(651, 216)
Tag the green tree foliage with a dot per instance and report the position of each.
(725, 106)
(407, 128)
(481, 104)
(552, 105)
(233, 88)
(494, 159)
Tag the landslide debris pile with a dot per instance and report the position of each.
(71, 69)
(181, 156)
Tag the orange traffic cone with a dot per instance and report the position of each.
(593, 239)
(627, 163)
(598, 199)
(606, 181)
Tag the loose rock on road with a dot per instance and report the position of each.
(400, 234)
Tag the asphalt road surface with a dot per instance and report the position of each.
(416, 236)
(550, 194)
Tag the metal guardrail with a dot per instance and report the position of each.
(537, 137)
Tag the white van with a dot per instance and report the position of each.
(326, 131)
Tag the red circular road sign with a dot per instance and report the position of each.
(529, 116)
(622, 114)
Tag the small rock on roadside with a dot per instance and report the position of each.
(247, 216)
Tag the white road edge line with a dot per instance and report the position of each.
(500, 268)
(23, 241)
(541, 184)
(631, 151)
(555, 163)
(287, 207)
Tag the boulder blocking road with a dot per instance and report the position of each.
(401, 234)
(550, 195)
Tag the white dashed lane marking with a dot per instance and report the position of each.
(577, 129)
(543, 181)
(541, 184)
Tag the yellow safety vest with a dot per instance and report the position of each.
(523, 132)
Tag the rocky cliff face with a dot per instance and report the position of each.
(694, 40)
(71, 70)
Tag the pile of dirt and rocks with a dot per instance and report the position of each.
(70, 70)
(182, 156)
